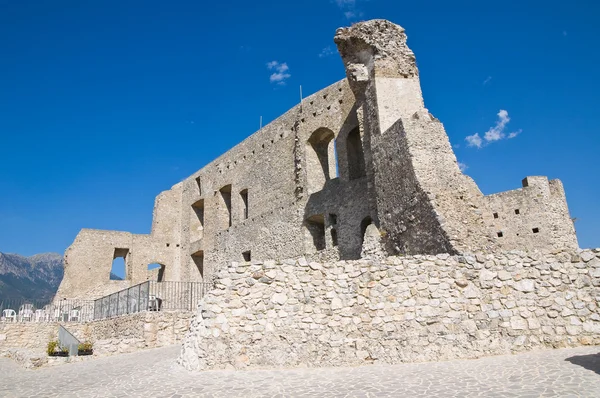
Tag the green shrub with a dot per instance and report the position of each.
(64, 350)
(52, 346)
(87, 346)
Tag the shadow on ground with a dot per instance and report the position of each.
(590, 362)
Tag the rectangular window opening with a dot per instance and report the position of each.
(517, 211)
(495, 215)
(332, 219)
(536, 230)
(500, 234)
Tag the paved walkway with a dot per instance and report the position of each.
(153, 373)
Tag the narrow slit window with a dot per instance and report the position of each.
(199, 186)
(244, 195)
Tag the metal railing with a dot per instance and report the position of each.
(151, 296)
(147, 296)
(21, 310)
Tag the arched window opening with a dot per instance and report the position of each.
(156, 272)
(197, 221)
(315, 227)
(198, 258)
(356, 156)
(118, 271)
(363, 228)
(225, 207)
(320, 159)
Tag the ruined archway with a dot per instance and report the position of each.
(363, 228)
(355, 155)
(156, 272)
(320, 159)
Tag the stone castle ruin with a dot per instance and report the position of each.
(341, 234)
(362, 151)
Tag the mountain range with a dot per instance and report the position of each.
(30, 278)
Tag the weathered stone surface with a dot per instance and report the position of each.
(387, 310)
(525, 285)
(288, 192)
(127, 333)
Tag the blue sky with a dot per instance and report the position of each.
(103, 104)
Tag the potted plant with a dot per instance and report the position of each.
(51, 349)
(85, 348)
(55, 350)
(63, 352)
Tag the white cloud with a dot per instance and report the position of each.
(462, 166)
(349, 9)
(327, 51)
(487, 80)
(474, 140)
(494, 134)
(280, 72)
(514, 134)
(345, 3)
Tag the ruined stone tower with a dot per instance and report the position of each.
(279, 194)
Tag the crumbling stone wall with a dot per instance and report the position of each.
(423, 202)
(398, 309)
(118, 335)
(279, 195)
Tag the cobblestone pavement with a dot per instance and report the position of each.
(154, 373)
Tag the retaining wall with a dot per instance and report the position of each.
(398, 309)
(117, 335)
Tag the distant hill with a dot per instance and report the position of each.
(114, 277)
(31, 278)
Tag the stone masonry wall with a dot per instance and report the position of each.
(399, 309)
(109, 336)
